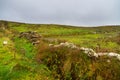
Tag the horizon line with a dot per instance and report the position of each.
(22, 22)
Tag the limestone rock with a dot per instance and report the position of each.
(33, 37)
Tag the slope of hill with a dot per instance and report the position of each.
(31, 58)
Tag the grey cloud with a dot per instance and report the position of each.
(73, 12)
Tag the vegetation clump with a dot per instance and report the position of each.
(72, 64)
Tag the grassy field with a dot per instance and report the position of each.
(19, 59)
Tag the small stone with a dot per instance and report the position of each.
(5, 42)
(108, 61)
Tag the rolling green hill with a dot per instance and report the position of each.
(28, 56)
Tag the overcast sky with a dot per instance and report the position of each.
(70, 12)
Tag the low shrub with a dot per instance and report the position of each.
(72, 64)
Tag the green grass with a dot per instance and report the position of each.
(25, 48)
(19, 59)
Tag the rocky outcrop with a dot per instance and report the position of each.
(66, 44)
(90, 52)
(111, 54)
(33, 37)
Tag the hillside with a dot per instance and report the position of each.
(32, 52)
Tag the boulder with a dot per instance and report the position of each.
(33, 37)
